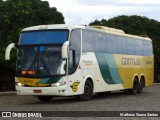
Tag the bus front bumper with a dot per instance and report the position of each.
(37, 91)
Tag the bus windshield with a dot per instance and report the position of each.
(39, 53)
(40, 61)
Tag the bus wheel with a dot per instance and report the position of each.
(135, 88)
(156, 80)
(141, 85)
(88, 91)
(45, 98)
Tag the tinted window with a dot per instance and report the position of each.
(122, 45)
(145, 47)
(150, 49)
(42, 60)
(139, 47)
(75, 49)
(131, 46)
(88, 41)
(101, 43)
(44, 37)
(111, 43)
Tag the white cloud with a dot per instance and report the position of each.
(119, 2)
(85, 11)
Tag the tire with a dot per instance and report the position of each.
(45, 98)
(88, 91)
(156, 80)
(135, 88)
(141, 86)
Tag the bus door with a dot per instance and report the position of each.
(74, 75)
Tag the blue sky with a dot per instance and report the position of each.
(82, 12)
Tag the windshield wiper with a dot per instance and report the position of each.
(44, 63)
(33, 63)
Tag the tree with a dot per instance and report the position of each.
(18, 14)
(137, 25)
(14, 16)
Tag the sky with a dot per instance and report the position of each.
(83, 12)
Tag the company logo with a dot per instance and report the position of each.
(74, 86)
(37, 84)
(21, 114)
(6, 114)
(87, 62)
(28, 81)
(131, 61)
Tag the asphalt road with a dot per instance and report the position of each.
(149, 100)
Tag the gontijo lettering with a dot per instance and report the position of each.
(131, 61)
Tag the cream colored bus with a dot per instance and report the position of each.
(70, 60)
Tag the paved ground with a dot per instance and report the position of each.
(149, 100)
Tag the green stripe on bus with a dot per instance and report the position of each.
(49, 80)
(108, 68)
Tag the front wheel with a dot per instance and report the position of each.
(45, 98)
(88, 91)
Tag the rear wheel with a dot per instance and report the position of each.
(156, 80)
(88, 91)
(141, 85)
(45, 98)
(135, 88)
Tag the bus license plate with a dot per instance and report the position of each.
(37, 91)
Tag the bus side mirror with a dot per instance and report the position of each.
(8, 50)
(65, 50)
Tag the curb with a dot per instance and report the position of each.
(156, 83)
(9, 92)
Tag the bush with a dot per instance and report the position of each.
(7, 82)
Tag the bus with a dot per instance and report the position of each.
(72, 60)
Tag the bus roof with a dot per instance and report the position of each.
(54, 26)
(118, 32)
(93, 28)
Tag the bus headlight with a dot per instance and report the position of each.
(19, 84)
(58, 84)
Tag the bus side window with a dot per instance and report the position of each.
(122, 45)
(100, 42)
(145, 48)
(150, 49)
(139, 47)
(74, 50)
(131, 48)
(88, 41)
(112, 43)
(71, 59)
